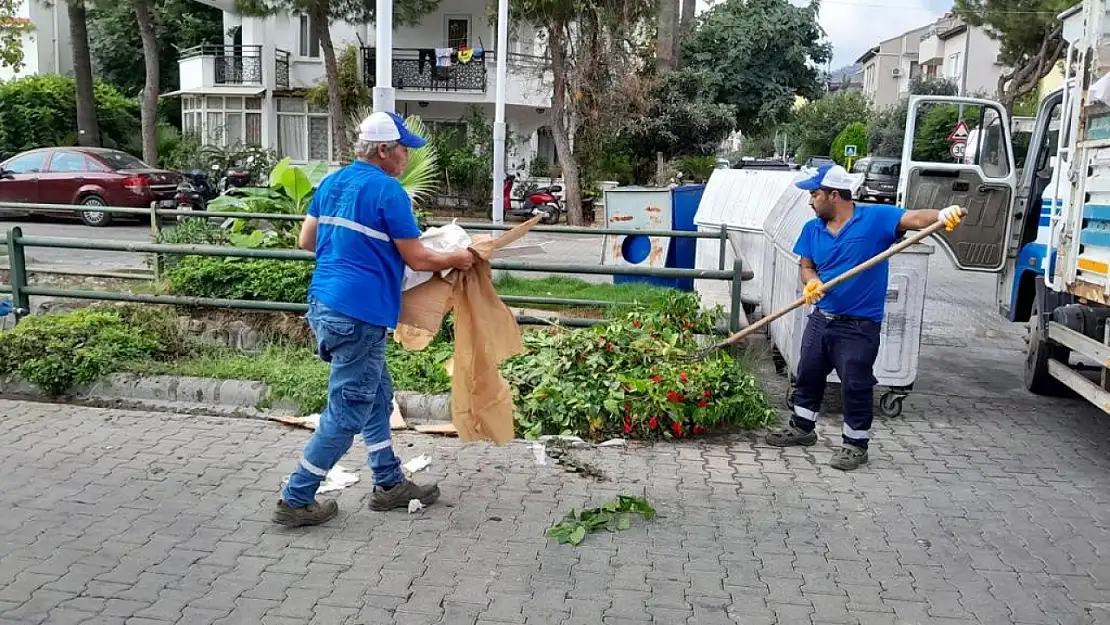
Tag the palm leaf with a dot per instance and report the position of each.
(421, 177)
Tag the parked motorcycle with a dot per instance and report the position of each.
(235, 178)
(540, 201)
(195, 191)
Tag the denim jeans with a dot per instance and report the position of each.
(360, 400)
(850, 346)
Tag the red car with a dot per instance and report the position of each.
(88, 177)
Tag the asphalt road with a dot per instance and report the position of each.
(88, 259)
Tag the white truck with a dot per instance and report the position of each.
(1046, 233)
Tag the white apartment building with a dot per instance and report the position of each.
(46, 48)
(946, 49)
(249, 89)
(967, 56)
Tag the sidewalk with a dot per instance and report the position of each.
(119, 517)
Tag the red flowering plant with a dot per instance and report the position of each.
(626, 378)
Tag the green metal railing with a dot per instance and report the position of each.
(21, 291)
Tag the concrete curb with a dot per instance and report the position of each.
(192, 395)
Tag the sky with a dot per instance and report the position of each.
(853, 26)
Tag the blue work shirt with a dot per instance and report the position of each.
(871, 230)
(361, 210)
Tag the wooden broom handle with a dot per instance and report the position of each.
(847, 275)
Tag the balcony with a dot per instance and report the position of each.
(230, 66)
(416, 70)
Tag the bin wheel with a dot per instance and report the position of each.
(890, 404)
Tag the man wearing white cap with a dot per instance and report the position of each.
(361, 226)
(843, 331)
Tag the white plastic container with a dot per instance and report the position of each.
(738, 200)
(900, 342)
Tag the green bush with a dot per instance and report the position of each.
(57, 352)
(256, 279)
(627, 378)
(41, 111)
(853, 134)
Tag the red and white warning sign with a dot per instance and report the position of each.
(959, 133)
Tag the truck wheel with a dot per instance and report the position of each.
(1037, 353)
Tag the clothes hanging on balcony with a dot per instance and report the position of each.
(465, 54)
(443, 57)
(425, 55)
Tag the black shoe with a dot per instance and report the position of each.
(314, 513)
(849, 458)
(400, 495)
(791, 435)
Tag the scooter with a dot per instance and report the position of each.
(541, 201)
(194, 192)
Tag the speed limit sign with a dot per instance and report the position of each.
(957, 150)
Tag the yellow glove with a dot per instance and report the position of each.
(951, 217)
(812, 292)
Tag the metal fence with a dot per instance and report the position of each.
(21, 291)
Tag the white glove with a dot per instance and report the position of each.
(951, 217)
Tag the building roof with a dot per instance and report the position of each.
(867, 56)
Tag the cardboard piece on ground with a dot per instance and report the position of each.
(486, 333)
(308, 423)
(396, 420)
(446, 429)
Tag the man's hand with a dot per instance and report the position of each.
(812, 292)
(462, 259)
(951, 217)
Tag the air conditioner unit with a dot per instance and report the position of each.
(896, 72)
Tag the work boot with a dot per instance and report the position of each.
(848, 458)
(314, 513)
(399, 495)
(791, 435)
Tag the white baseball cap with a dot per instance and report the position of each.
(381, 127)
(829, 177)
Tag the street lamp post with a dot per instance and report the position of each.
(502, 52)
(384, 96)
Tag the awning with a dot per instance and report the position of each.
(217, 90)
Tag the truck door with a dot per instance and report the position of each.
(935, 174)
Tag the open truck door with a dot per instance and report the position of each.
(935, 174)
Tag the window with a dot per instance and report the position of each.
(225, 122)
(458, 32)
(993, 151)
(68, 162)
(121, 160)
(859, 167)
(880, 168)
(304, 132)
(449, 136)
(954, 68)
(310, 41)
(915, 69)
(27, 164)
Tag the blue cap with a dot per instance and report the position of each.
(828, 177)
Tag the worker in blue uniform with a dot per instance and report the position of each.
(843, 330)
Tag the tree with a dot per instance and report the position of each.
(681, 118)
(12, 29)
(666, 34)
(817, 123)
(590, 44)
(321, 14)
(117, 47)
(88, 132)
(1029, 34)
(685, 24)
(855, 134)
(763, 53)
(887, 129)
(148, 99)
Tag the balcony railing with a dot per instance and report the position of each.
(416, 69)
(234, 65)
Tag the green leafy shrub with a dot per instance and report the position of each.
(626, 378)
(41, 111)
(57, 352)
(255, 279)
(853, 134)
(697, 168)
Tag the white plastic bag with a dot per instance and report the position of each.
(445, 239)
(1100, 91)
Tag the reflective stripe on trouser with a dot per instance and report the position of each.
(849, 347)
(360, 400)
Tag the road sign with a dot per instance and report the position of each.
(849, 150)
(959, 133)
(957, 150)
